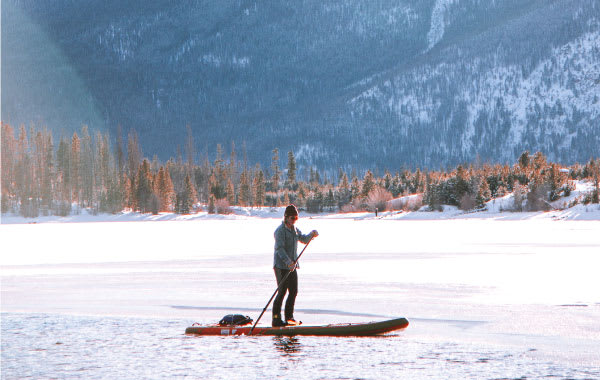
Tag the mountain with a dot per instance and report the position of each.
(353, 84)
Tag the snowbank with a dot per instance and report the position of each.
(499, 208)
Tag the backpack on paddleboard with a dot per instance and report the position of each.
(235, 320)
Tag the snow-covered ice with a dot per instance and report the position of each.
(519, 282)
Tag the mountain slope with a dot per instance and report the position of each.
(359, 84)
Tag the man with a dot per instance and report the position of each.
(286, 253)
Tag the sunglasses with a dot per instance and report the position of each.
(293, 217)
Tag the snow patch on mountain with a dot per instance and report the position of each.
(309, 153)
(404, 15)
(438, 21)
(564, 84)
(500, 102)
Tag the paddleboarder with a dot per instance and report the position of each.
(286, 250)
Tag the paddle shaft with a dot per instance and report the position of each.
(276, 290)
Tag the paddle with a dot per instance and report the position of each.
(276, 290)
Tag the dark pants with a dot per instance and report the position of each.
(290, 285)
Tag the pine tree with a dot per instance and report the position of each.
(461, 187)
(75, 166)
(144, 188)
(187, 197)
(215, 187)
(291, 172)
(368, 184)
(483, 194)
(134, 154)
(232, 168)
(432, 196)
(245, 197)
(165, 191)
(330, 199)
(344, 194)
(103, 158)
(259, 186)
(397, 188)
(212, 204)
(24, 177)
(218, 179)
(230, 194)
(524, 160)
(63, 163)
(7, 168)
(276, 175)
(355, 187)
(46, 164)
(87, 169)
(119, 152)
(387, 182)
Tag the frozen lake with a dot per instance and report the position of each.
(486, 298)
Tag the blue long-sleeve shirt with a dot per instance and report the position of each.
(286, 245)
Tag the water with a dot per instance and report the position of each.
(509, 300)
(46, 346)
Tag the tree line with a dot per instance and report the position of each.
(40, 177)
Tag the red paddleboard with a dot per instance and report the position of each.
(342, 329)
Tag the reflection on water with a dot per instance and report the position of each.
(288, 345)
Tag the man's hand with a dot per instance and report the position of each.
(293, 266)
(314, 234)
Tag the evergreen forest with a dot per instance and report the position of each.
(41, 176)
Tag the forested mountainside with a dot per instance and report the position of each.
(353, 84)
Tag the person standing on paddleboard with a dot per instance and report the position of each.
(286, 251)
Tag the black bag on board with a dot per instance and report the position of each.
(235, 320)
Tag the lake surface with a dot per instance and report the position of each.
(42, 346)
(485, 300)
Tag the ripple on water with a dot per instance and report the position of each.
(72, 347)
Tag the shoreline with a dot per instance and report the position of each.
(590, 212)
